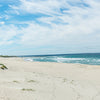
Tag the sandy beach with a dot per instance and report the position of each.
(25, 80)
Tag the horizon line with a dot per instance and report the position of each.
(55, 54)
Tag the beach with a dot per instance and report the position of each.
(26, 80)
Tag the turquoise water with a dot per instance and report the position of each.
(89, 58)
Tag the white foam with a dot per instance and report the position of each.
(60, 59)
(29, 59)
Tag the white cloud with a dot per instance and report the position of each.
(7, 33)
(2, 22)
(49, 7)
(76, 26)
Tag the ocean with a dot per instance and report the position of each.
(83, 58)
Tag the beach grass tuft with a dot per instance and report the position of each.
(31, 81)
(16, 81)
(2, 66)
(27, 89)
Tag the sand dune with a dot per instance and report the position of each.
(26, 80)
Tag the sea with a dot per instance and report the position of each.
(79, 58)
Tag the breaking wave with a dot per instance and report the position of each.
(66, 59)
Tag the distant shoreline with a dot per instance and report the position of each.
(42, 55)
(7, 56)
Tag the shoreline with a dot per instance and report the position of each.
(25, 80)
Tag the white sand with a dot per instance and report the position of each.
(48, 81)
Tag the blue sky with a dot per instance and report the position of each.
(29, 27)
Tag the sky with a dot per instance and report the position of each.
(34, 27)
